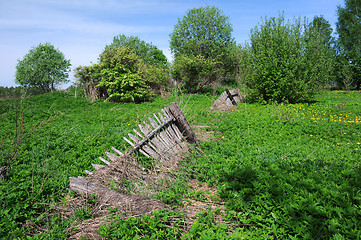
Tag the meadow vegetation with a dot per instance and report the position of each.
(283, 165)
(282, 171)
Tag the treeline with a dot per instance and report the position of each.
(18, 92)
(284, 60)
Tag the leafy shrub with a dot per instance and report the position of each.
(121, 75)
(158, 225)
(195, 72)
(284, 62)
(155, 64)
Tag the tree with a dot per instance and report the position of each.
(147, 51)
(323, 29)
(118, 77)
(204, 34)
(156, 67)
(348, 28)
(285, 62)
(43, 67)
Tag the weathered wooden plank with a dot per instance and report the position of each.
(84, 187)
(149, 143)
(117, 151)
(111, 156)
(136, 140)
(161, 118)
(132, 204)
(167, 113)
(170, 134)
(128, 141)
(150, 135)
(104, 161)
(163, 136)
(178, 134)
(158, 142)
(97, 166)
(140, 135)
(182, 123)
(156, 145)
(145, 149)
(223, 97)
(133, 144)
(241, 100)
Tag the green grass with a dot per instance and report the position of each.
(284, 171)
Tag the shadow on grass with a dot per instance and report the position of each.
(295, 199)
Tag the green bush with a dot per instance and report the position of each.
(130, 75)
(121, 75)
(285, 62)
(156, 77)
(196, 72)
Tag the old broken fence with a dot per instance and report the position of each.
(161, 138)
(227, 100)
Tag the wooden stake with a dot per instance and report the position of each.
(182, 123)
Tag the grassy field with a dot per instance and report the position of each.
(281, 171)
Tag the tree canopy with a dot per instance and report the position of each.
(202, 31)
(146, 51)
(348, 27)
(203, 47)
(129, 70)
(285, 62)
(43, 67)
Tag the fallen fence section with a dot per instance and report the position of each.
(134, 205)
(227, 100)
(161, 137)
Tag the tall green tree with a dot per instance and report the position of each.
(348, 27)
(147, 51)
(285, 62)
(155, 67)
(43, 67)
(203, 37)
(323, 30)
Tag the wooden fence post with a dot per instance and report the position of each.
(230, 96)
(182, 124)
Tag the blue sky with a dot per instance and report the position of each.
(82, 28)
